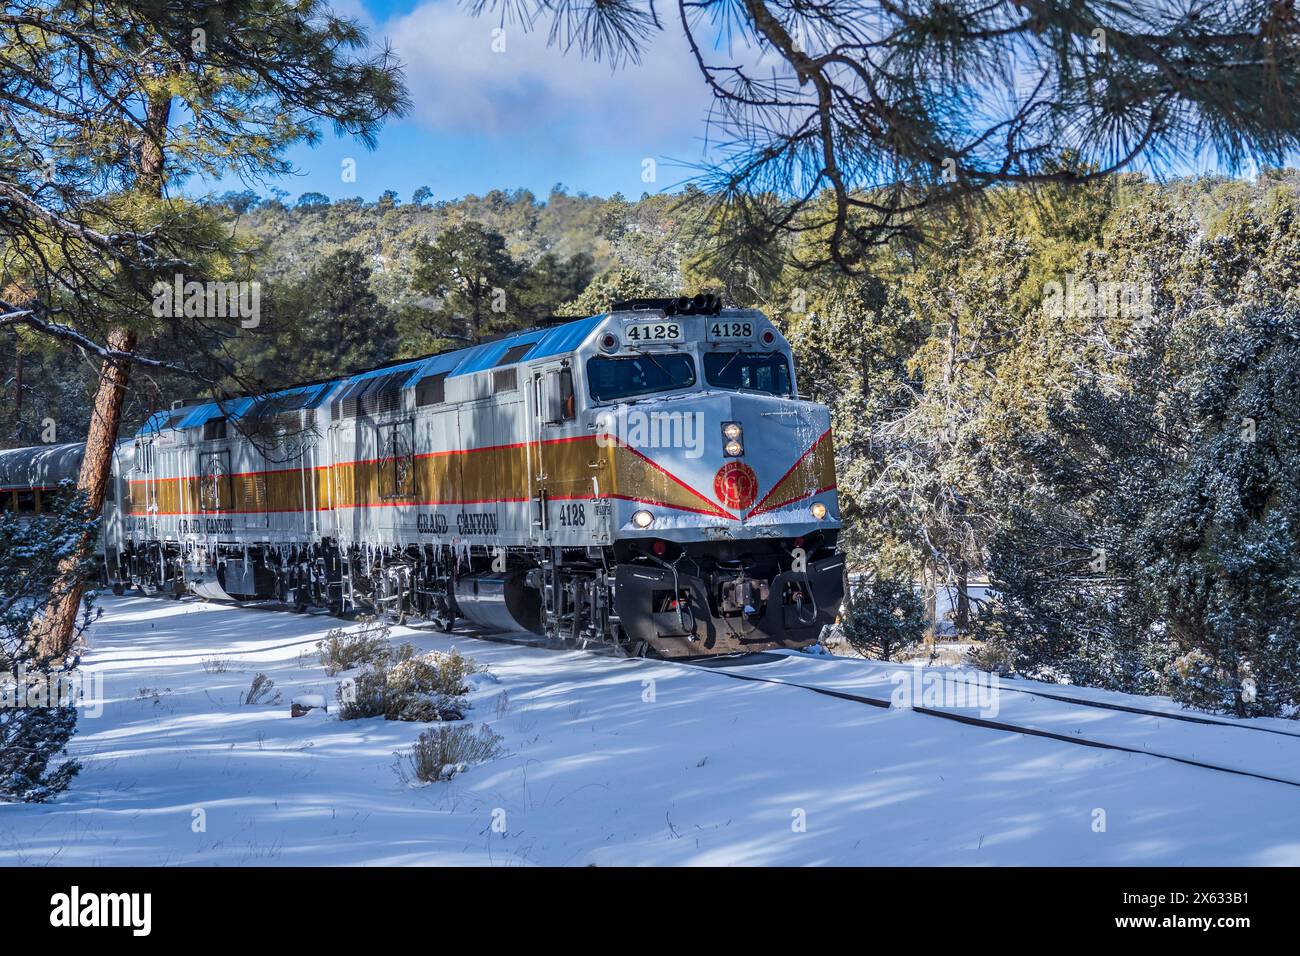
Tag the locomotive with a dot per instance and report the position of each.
(647, 479)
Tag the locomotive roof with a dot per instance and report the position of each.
(553, 340)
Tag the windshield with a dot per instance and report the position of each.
(614, 378)
(754, 371)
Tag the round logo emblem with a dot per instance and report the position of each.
(736, 485)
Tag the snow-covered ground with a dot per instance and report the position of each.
(622, 762)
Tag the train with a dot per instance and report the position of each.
(647, 479)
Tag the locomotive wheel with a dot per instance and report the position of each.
(625, 646)
(440, 614)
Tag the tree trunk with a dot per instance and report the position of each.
(55, 629)
(18, 388)
(962, 617)
(54, 632)
(930, 577)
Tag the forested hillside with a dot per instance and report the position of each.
(1086, 393)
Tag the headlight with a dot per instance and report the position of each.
(644, 519)
(818, 510)
(733, 449)
(731, 431)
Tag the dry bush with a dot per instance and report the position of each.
(343, 650)
(453, 668)
(442, 752)
(417, 690)
(992, 655)
(365, 695)
(424, 688)
(259, 691)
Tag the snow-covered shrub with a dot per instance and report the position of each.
(442, 752)
(451, 669)
(343, 650)
(37, 716)
(884, 618)
(365, 695)
(419, 688)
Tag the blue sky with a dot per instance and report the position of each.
(530, 116)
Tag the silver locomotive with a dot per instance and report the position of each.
(647, 478)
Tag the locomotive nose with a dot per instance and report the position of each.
(737, 455)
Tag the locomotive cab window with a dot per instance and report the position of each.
(748, 372)
(613, 378)
(555, 402)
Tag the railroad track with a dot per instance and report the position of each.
(719, 668)
(747, 659)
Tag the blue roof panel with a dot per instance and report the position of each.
(565, 338)
(477, 358)
(483, 357)
(434, 364)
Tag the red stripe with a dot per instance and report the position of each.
(409, 504)
(374, 461)
(714, 509)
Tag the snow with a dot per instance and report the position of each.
(614, 762)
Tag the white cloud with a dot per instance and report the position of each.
(535, 94)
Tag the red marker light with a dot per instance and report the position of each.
(769, 337)
(659, 547)
(798, 542)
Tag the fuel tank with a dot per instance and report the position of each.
(500, 601)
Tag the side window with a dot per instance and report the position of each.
(566, 394)
(396, 444)
(214, 428)
(555, 401)
(431, 390)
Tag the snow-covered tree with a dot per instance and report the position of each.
(36, 717)
(884, 618)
